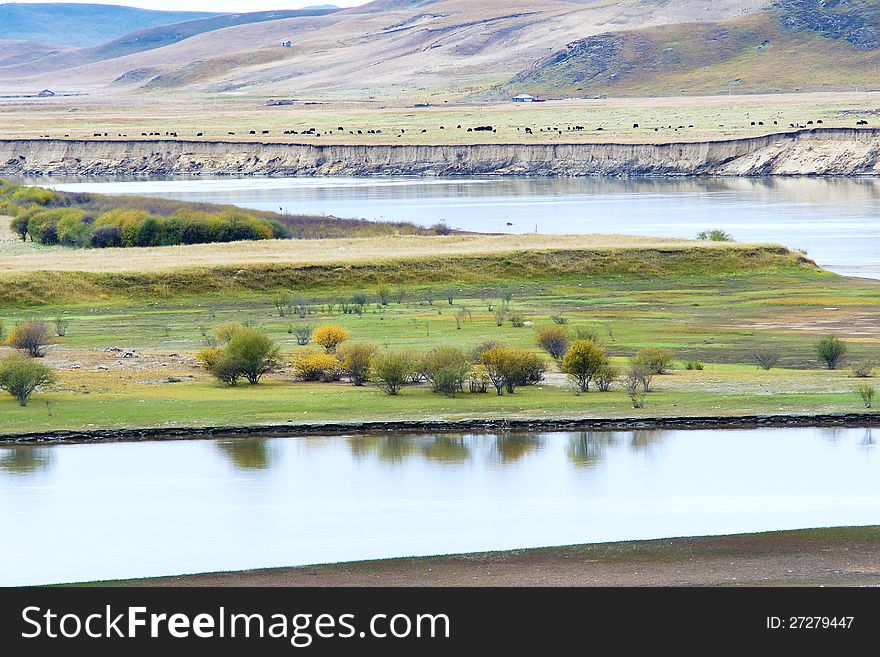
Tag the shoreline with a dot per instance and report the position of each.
(870, 419)
(833, 556)
(811, 152)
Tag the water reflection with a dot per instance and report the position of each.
(120, 508)
(248, 453)
(24, 459)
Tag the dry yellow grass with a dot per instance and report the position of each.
(317, 252)
(711, 118)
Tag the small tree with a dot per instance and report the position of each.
(61, 325)
(447, 369)
(29, 337)
(831, 351)
(281, 301)
(863, 369)
(21, 376)
(640, 372)
(766, 357)
(247, 353)
(605, 376)
(635, 388)
(715, 235)
(356, 358)
(508, 368)
(329, 336)
(392, 371)
(255, 353)
(867, 393)
(303, 335)
(582, 361)
(655, 360)
(553, 340)
(384, 294)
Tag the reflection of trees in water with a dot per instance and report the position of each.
(587, 448)
(24, 459)
(395, 448)
(248, 453)
(511, 447)
(868, 439)
(833, 434)
(645, 440)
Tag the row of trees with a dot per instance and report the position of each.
(127, 228)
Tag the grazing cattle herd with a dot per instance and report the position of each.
(529, 130)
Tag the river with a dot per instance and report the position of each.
(836, 221)
(118, 510)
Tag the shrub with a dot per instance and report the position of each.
(281, 302)
(694, 365)
(446, 369)
(61, 326)
(29, 337)
(867, 393)
(553, 340)
(356, 358)
(639, 372)
(478, 379)
(499, 317)
(655, 360)
(559, 319)
(329, 336)
(221, 365)
(19, 225)
(635, 387)
(582, 361)
(72, 229)
(392, 371)
(508, 368)
(21, 376)
(831, 351)
(247, 353)
(255, 352)
(766, 357)
(303, 335)
(605, 376)
(715, 235)
(587, 333)
(384, 294)
(321, 367)
(863, 369)
(517, 321)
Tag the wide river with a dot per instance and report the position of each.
(117, 510)
(836, 221)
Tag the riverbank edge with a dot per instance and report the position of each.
(850, 420)
(821, 556)
(806, 152)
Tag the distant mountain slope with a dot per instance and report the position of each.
(153, 37)
(795, 45)
(387, 48)
(81, 25)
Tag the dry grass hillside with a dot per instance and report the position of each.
(451, 48)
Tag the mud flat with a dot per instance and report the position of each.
(820, 151)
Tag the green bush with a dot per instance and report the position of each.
(247, 353)
(392, 371)
(446, 369)
(507, 368)
(21, 376)
(831, 351)
(866, 392)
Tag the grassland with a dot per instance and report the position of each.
(839, 556)
(675, 118)
(713, 303)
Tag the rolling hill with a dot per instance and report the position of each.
(81, 25)
(436, 50)
(794, 45)
(146, 39)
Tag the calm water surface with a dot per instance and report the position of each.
(837, 221)
(85, 512)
